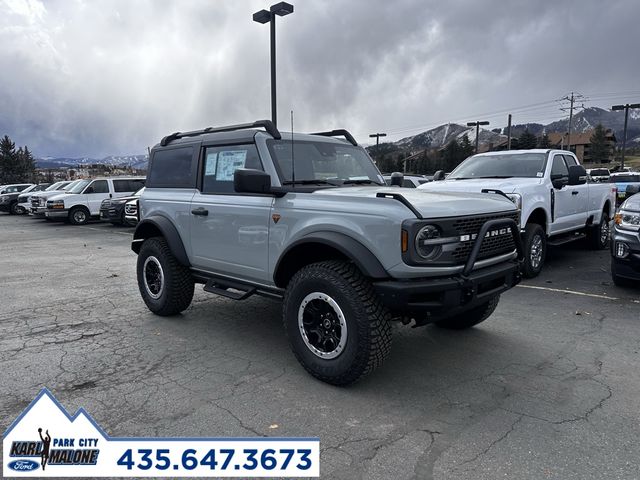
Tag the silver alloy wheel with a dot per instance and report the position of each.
(536, 251)
(79, 216)
(605, 231)
(322, 325)
(153, 277)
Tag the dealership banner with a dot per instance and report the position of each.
(45, 441)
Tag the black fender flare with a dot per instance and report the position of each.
(154, 226)
(360, 255)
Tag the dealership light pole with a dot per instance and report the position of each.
(626, 118)
(264, 16)
(477, 125)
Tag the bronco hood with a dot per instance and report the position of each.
(432, 204)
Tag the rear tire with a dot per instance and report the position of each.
(471, 317)
(79, 216)
(598, 236)
(335, 323)
(165, 286)
(535, 250)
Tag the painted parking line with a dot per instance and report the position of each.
(572, 292)
(105, 231)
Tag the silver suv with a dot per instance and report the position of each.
(307, 218)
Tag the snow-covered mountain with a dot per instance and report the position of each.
(133, 161)
(583, 121)
(440, 136)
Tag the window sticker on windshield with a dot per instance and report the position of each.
(539, 174)
(211, 163)
(229, 162)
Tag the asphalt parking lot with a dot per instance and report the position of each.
(548, 387)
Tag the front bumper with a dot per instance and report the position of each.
(432, 299)
(111, 214)
(57, 213)
(629, 266)
(439, 298)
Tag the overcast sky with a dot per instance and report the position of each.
(94, 78)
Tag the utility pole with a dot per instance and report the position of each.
(377, 136)
(571, 99)
(477, 125)
(508, 134)
(626, 118)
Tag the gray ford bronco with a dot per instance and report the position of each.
(308, 219)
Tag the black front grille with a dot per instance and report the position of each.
(493, 245)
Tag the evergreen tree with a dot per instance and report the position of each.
(599, 147)
(527, 140)
(451, 155)
(8, 160)
(544, 141)
(466, 148)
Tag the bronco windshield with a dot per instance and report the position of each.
(527, 165)
(323, 163)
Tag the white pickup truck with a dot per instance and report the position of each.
(550, 187)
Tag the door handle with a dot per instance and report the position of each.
(200, 211)
(575, 192)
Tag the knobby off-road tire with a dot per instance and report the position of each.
(471, 317)
(79, 216)
(165, 285)
(535, 250)
(336, 325)
(598, 235)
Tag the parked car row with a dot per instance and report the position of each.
(76, 201)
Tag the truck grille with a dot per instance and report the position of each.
(491, 246)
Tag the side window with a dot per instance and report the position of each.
(98, 186)
(121, 186)
(171, 168)
(570, 160)
(220, 163)
(559, 168)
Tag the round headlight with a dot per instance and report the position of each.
(425, 246)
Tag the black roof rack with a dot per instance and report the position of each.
(268, 125)
(339, 133)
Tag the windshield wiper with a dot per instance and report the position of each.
(361, 181)
(309, 181)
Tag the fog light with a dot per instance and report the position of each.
(621, 250)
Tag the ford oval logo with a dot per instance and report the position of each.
(23, 465)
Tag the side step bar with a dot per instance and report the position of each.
(229, 289)
(562, 239)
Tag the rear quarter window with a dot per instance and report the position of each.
(172, 168)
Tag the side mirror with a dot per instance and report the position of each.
(439, 175)
(397, 179)
(249, 180)
(89, 190)
(577, 175)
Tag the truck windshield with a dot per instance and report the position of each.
(323, 163)
(78, 187)
(528, 165)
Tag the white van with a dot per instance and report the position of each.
(82, 202)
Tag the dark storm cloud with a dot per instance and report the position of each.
(98, 78)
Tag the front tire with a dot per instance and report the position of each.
(336, 325)
(165, 286)
(79, 216)
(471, 317)
(535, 250)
